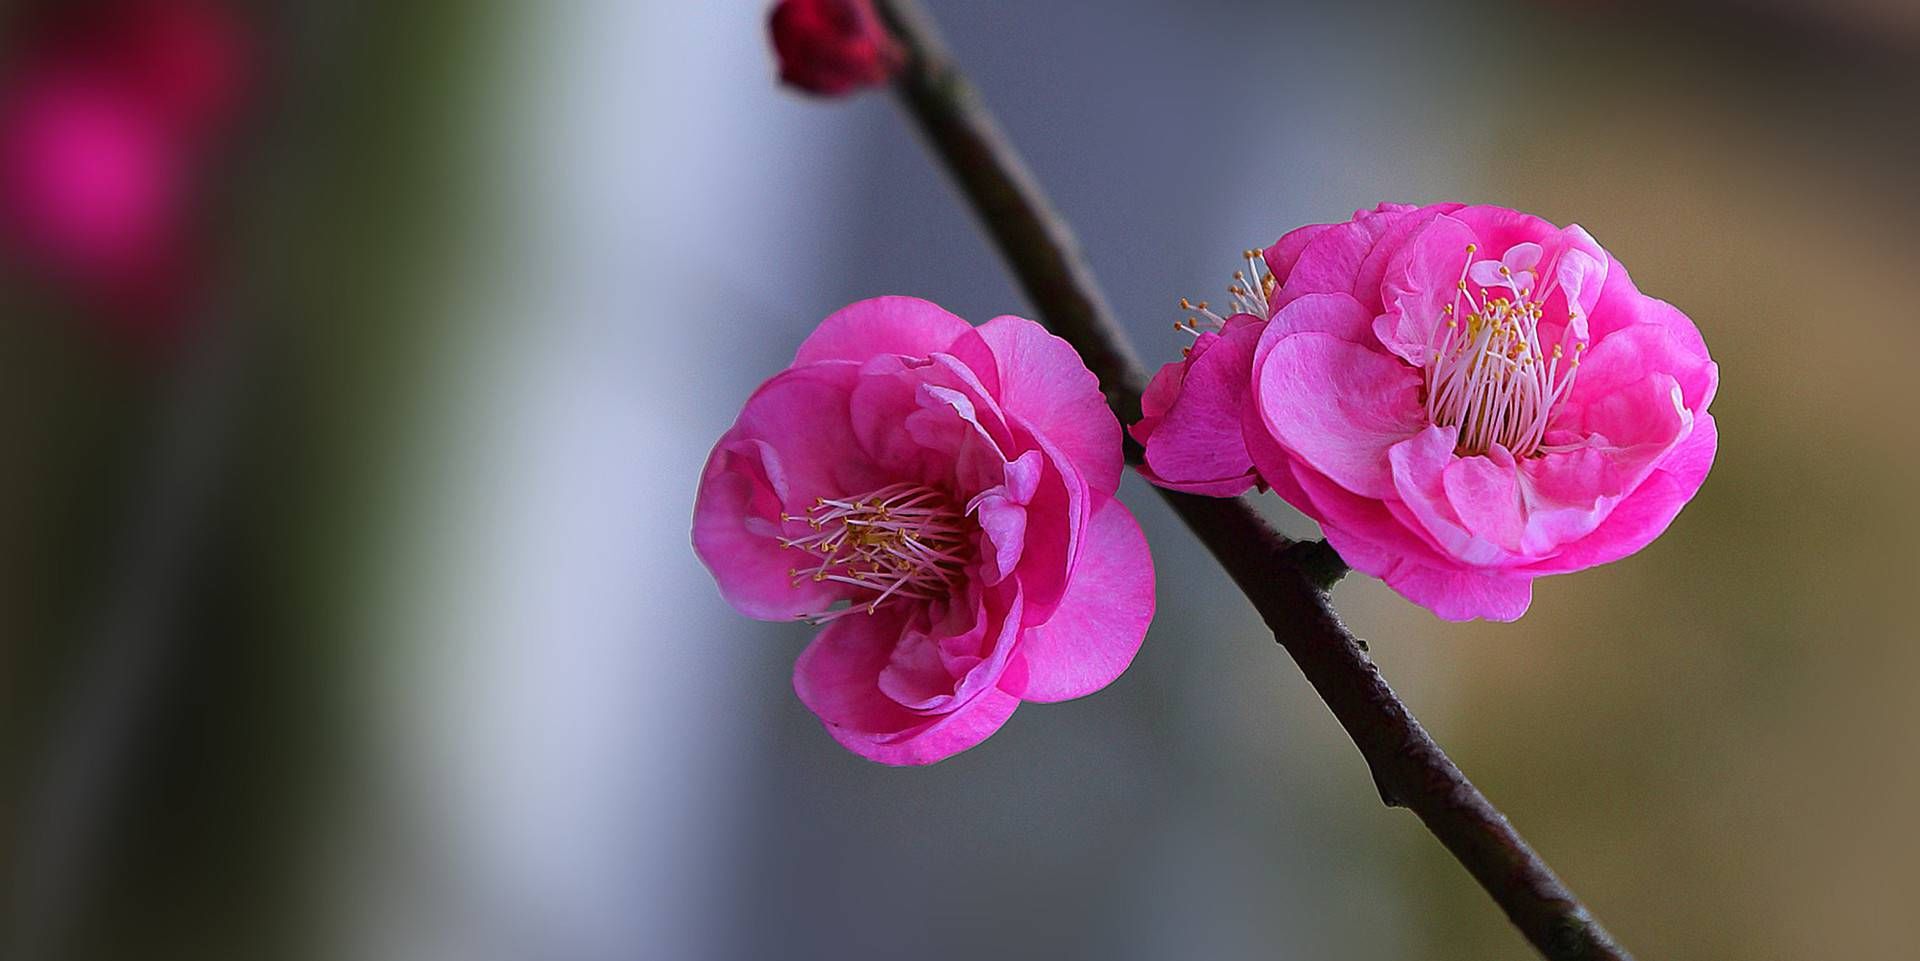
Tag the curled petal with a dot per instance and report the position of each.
(1041, 379)
(1057, 516)
(882, 325)
(1340, 407)
(1095, 632)
(736, 533)
(788, 447)
(1329, 263)
(838, 678)
(1646, 513)
(1285, 252)
(1197, 444)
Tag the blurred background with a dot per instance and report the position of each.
(359, 361)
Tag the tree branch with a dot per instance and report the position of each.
(1287, 582)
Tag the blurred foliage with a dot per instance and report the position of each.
(335, 203)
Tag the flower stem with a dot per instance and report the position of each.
(1286, 582)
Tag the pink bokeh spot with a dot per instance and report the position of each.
(108, 114)
(941, 497)
(1465, 399)
(88, 176)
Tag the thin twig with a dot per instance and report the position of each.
(1287, 582)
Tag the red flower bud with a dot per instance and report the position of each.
(832, 47)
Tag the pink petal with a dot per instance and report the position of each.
(1022, 476)
(882, 325)
(1521, 257)
(1386, 527)
(915, 676)
(1339, 407)
(1198, 441)
(930, 419)
(1003, 532)
(1382, 266)
(1057, 516)
(1337, 314)
(1095, 632)
(1639, 334)
(1420, 465)
(1498, 229)
(736, 534)
(792, 443)
(1330, 261)
(1285, 252)
(1568, 494)
(958, 449)
(805, 414)
(1452, 593)
(1621, 305)
(1375, 539)
(1273, 463)
(1164, 388)
(1220, 487)
(882, 397)
(1688, 463)
(1418, 284)
(1648, 412)
(1351, 258)
(941, 739)
(1485, 492)
(1577, 265)
(939, 670)
(1042, 381)
(1464, 595)
(1645, 513)
(837, 677)
(1486, 273)
(1581, 276)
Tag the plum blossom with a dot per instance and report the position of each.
(1465, 399)
(940, 497)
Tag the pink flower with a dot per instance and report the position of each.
(832, 47)
(88, 180)
(1465, 398)
(106, 112)
(940, 496)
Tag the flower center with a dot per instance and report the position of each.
(1487, 372)
(901, 541)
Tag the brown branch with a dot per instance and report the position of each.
(1287, 582)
